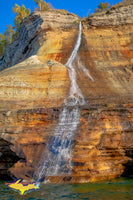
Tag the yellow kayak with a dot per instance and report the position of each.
(23, 187)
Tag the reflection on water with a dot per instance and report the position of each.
(119, 189)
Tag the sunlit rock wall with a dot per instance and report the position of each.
(32, 93)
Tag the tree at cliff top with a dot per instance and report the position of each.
(43, 6)
(6, 38)
(102, 7)
(21, 12)
(10, 34)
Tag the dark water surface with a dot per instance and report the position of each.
(118, 189)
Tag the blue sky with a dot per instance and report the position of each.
(81, 8)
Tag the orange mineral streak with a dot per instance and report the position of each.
(57, 45)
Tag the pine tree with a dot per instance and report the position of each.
(21, 12)
(9, 33)
(6, 38)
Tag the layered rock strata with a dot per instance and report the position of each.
(32, 95)
(112, 17)
(35, 31)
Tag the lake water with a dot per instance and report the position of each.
(118, 189)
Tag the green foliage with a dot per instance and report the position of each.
(9, 33)
(21, 12)
(75, 22)
(106, 7)
(6, 38)
(43, 6)
(102, 7)
(2, 44)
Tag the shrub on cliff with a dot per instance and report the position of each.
(3, 44)
(43, 6)
(102, 7)
(21, 12)
(123, 3)
(10, 34)
(6, 38)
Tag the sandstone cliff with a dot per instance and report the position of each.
(32, 93)
(112, 17)
(35, 31)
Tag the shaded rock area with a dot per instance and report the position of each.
(32, 93)
(7, 159)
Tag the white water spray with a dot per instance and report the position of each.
(57, 158)
(75, 94)
(86, 71)
(76, 48)
(58, 152)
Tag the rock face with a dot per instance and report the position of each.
(32, 93)
(113, 17)
(105, 148)
(7, 159)
(35, 31)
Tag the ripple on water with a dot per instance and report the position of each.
(119, 189)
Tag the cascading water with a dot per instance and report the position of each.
(58, 151)
(75, 94)
(57, 158)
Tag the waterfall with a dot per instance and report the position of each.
(57, 159)
(58, 152)
(75, 94)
